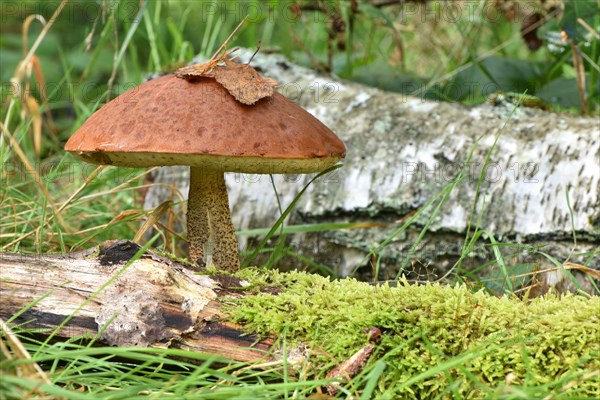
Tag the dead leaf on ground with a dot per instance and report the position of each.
(243, 82)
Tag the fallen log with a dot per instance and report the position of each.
(108, 294)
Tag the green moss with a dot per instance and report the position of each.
(435, 336)
(173, 257)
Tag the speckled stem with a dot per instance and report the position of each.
(210, 231)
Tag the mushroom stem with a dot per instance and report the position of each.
(210, 231)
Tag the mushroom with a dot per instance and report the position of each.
(173, 121)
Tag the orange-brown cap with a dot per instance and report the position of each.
(172, 121)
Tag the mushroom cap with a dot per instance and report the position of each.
(172, 121)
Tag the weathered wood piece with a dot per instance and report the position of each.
(403, 151)
(154, 301)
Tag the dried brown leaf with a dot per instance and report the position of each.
(33, 109)
(39, 76)
(590, 271)
(194, 71)
(125, 214)
(243, 82)
(203, 70)
(153, 218)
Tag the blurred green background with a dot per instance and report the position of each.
(401, 47)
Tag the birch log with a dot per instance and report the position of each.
(402, 152)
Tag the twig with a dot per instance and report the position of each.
(257, 49)
(588, 28)
(220, 49)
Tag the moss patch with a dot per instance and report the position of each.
(435, 337)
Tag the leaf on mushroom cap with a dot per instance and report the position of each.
(243, 82)
(194, 71)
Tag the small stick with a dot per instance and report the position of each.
(237, 28)
(588, 28)
(257, 49)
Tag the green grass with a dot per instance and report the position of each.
(52, 202)
(78, 371)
